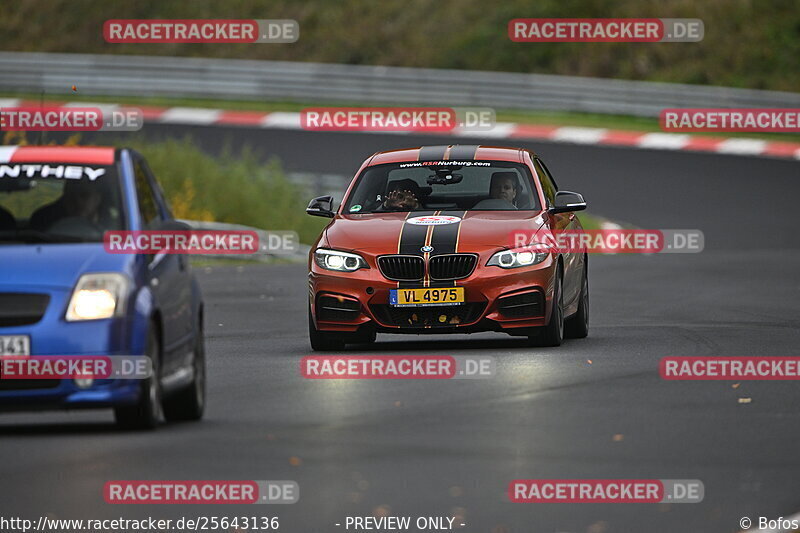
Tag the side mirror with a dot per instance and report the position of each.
(567, 201)
(321, 206)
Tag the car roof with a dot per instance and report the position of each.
(448, 152)
(87, 155)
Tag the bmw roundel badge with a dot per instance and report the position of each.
(427, 248)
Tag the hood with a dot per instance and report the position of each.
(380, 233)
(56, 265)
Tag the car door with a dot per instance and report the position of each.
(168, 275)
(573, 261)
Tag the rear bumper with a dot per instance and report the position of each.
(511, 301)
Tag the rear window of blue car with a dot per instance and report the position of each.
(59, 202)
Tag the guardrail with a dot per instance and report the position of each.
(297, 256)
(123, 75)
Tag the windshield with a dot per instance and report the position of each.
(442, 185)
(54, 202)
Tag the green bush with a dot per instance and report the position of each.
(747, 43)
(235, 187)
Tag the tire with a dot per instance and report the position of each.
(189, 403)
(322, 341)
(146, 413)
(577, 326)
(367, 335)
(553, 333)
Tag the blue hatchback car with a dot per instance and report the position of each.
(62, 294)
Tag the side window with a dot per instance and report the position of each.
(159, 193)
(548, 185)
(148, 209)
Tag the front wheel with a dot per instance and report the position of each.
(146, 413)
(189, 403)
(553, 333)
(322, 341)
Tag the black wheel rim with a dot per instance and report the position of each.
(153, 392)
(560, 311)
(586, 301)
(200, 374)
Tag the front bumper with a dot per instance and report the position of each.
(512, 301)
(52, 335)
(35, 395)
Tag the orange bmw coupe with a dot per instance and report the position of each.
(422, 244)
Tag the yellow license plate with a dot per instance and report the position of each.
(423, 297)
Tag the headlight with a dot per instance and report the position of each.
(519, 257)
(98, 296)
(339, 261)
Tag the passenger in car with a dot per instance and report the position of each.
(504, 186)
(7, 222)
(78, 200)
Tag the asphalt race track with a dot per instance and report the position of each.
(431, 448)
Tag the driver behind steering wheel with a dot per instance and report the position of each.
(402, 195)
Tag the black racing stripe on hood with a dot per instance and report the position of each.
(413, 237)
(445, 241)
(445, 237)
